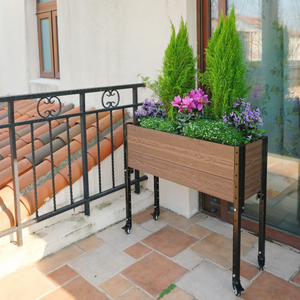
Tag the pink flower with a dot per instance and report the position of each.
(177, 101)
(186, 104)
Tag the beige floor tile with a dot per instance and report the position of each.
(248, 238)
(61, 275)
(137, 250)
(198, 231)
(169, 241)
(280, 261)
(270, 287)
(177, 294)
(58, 259)
(27, 284)
(77, 289)
(135, 294)
(217, 248)
(115, 286)
(90, 243)
(154, 273)
(178, 221)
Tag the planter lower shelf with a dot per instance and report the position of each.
(232, 173)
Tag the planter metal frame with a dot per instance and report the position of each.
(232, 173)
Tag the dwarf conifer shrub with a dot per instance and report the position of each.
(225, 68)
(178, 73)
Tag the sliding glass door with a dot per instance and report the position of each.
(270, 34)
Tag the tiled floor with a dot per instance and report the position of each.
(193, 254)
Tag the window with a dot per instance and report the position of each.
(48, 38)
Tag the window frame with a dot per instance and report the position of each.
(48, 10)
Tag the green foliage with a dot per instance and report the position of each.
(159, 124)
(225, 68)
(178, 74)
(214, 131)
(204, 129)
(166, 291)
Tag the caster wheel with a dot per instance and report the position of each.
(127, 230)
(235, 291)
(156, 217)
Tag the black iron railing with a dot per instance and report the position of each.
(110, 102)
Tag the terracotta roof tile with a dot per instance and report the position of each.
(43, 160)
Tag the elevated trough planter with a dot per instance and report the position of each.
(232, 173)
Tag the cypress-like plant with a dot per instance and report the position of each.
(178, 74)
(225, 68)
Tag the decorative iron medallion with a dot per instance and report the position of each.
(112, 103)
(49, 112)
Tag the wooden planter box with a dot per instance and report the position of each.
(232, 173)
(201, 165)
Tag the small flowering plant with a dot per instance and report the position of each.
(150, 108)
(246, 120)
(195, 101)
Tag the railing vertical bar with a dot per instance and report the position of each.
(34, 171)
(14, 164)
(98, 150)
(137, 188)
(84, 155)
(52, 166)
(112, 149)
(124, 141)
(69, 160)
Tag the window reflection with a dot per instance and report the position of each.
(270, 34)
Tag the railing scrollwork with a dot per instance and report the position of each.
(112, 103)
(49, 112)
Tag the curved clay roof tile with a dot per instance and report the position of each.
(5, 151)
(44, 151)
(45, 138)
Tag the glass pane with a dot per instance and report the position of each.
(46, 45)
(214, 13)
(270, 34)
(44, 1)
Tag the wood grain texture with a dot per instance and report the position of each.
(252, 184)
(204, 166)
(189, 177)
(253, 158)
(202, 155)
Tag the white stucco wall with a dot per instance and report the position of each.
(101, 42)
(13, 53)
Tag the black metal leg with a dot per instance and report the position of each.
(128, 171)
(156, 212)
(262, 206)
(128, 225)
(238, 208)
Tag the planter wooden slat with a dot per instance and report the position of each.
(252, 184)
(202, 155)
(253, 158)
(192, 178)
(195, 158)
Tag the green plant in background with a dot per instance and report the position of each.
(178, 74)
(225, 68)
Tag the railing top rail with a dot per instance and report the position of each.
(70, 92)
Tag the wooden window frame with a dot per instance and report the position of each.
(203, 32)
(48, 11)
